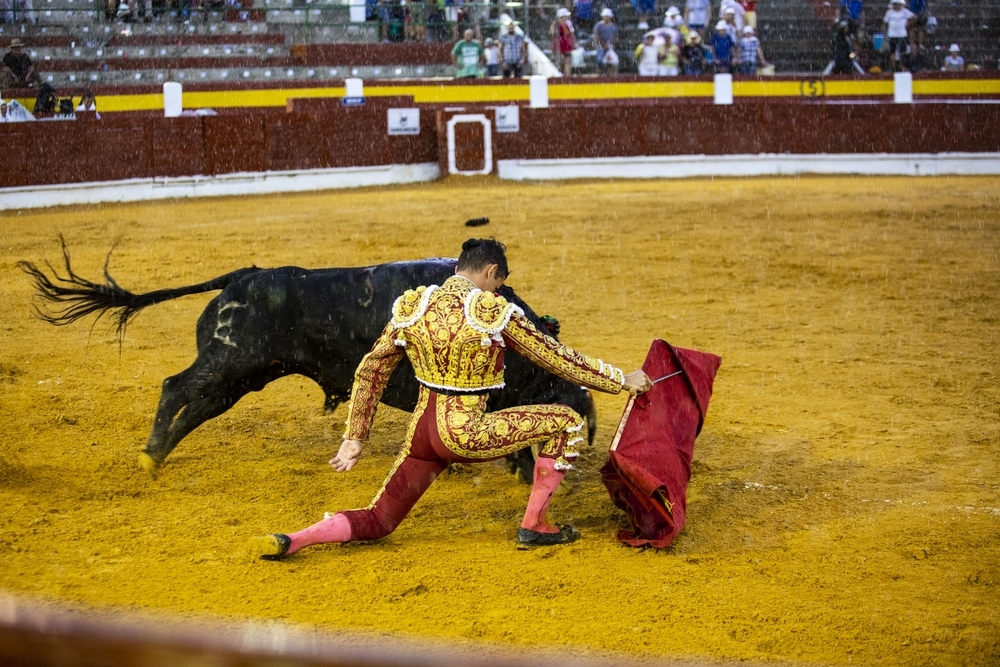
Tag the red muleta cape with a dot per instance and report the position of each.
(649, 463)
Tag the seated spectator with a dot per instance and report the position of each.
(563, 41)
(17, 70)
(648, 56)
(515, 52)
(468, 53)
(953, 62)
(698, 15)
(723, 47)
(606, 38)
(694, 56)
(896, 23)
(751, 55)
(492, 54)
(12, 112)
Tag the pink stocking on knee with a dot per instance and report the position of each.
(335, 529)
(546, 482)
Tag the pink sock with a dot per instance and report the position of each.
(546, 482)
(335, 529)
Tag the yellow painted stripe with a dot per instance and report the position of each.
(442, 93)
(957, 87)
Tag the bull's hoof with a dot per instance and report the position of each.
(149, 464)
(270, 547)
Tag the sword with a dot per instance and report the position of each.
(666, 377)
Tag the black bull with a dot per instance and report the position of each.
(268, 323)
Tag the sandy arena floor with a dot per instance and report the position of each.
(845, 502)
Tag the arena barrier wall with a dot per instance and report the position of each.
(320, 144)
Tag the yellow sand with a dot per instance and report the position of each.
(844, 505)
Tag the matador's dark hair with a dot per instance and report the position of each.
(477, 254)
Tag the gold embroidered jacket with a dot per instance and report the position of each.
(455, 336)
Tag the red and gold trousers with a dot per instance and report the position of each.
(457, 429)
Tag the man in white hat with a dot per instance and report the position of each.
(954, 62)
(606, 38)
(723, 48)
(674, 20)
(737, 14)
(751, 55)
(733, 29)
(896, 23)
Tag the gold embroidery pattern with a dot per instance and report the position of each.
(466, 429)
(407, 443)
(369, 382)
(560, 359)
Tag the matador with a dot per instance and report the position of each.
(455, 336)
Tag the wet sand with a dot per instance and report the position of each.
(844, 506)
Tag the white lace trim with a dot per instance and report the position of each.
(493, 332)
(574, 429)
(573, 442)
(612, 373)
(562, 467)
(477, 390)
(421, 309)
(400, 342)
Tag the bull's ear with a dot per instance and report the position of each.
(551, 324)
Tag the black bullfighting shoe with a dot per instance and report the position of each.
(529, 539)
(271, 547)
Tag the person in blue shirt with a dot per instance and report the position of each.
(855, 11)
(723, 48)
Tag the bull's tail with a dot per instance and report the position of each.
(63, 300)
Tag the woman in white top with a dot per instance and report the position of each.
(954, 62)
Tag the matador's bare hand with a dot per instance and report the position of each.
(350, 452)
(637, 382)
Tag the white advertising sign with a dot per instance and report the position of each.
(404, 121)
(508, 119)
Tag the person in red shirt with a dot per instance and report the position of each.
(563, 40)
(749, 13)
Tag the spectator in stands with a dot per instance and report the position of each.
(583, 13)
(749, 13)
(644, 8)
(452, 14)
(918, 26)
(648, 56)
(953, 62)
(606, 38)
(698, 15)
(563, 41)
(88, 103)
(732, 12)
(674, 20)
(671, 63)
(896, 23)
(468, 53)
(854, 10)
(515, 52)
(492, 54)
(21, 11)
(417, 20)
(17, 71)
(12, 112)
(723, 48)
(694, 56)
(751, 55)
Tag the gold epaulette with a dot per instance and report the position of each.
(487, 313)
(411, 306)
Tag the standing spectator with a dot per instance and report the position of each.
(855, 12)
(468, 53)
(674, 20)
(693, 56)
(416, 27)
(749, 12)
(515, 52)
(492, 52)
(670, 65)
(918, 26)
(953, 62)
(17, 70)
(732, 12)
(723, 47)
(896, 23)
(606, 38)
(751, 55)
(563, 41)
(648, 56)
(698, 15)
(644, 8)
